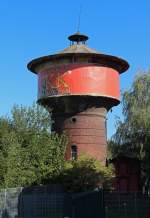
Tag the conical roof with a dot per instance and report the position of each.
(78, 48)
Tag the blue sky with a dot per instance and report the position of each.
(33, 28)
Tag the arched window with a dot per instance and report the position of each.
(74, 152)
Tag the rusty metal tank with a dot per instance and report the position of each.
(80, 85)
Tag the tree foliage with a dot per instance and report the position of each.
(133, 134)
(29, 153)
(85, 174)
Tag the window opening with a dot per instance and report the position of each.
(74, 152)
(74, 119)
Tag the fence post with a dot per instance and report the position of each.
(20, 203)
(125, 210)
(106, 211)
(119, 202)
(5, 204)
(135, 205)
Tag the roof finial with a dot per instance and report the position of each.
(79, 19)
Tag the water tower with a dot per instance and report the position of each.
(79, 85)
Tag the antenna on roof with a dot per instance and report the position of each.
(79, 19)
(78, 38)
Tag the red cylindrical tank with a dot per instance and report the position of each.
(79, 79)
(79, 85)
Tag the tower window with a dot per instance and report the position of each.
(74, 119)
(74, 152)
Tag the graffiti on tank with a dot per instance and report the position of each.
(62, 85)
(52, 83)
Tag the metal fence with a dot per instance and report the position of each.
(126, 205)
(49, 202)
(52, 202)
(88, 205)
(33, 202)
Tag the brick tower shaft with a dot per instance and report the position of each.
(86, 130)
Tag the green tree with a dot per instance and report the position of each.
(133, 133)
(29, 152)
(31, 155)
(6, 139)
(85, 174)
